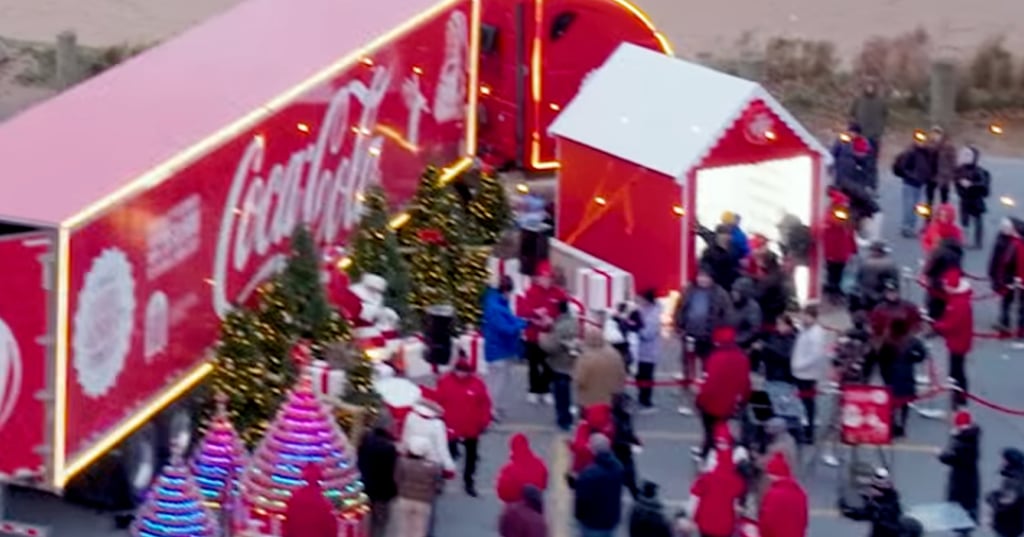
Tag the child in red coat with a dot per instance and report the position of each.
(596, 419)
(524, 468)
(956, 326)
(839, 242)
(726, 385)
(716, 494)
(784, 507)
(467, 413)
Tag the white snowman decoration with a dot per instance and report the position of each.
(375, 325)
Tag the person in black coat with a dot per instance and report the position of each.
(915, 167)
(647, 518)
(377, 457)
(774, 352)
(881, 507)
(961, 455)
(1004, 267)
(598, 502)
(973, 183)
(949, 254)
(898, 358)
(1007, 502)
(770, 289)
(720, 260)
(624, 439)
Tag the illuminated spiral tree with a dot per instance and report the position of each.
(174, 507)
(220, 458)
(303, 432)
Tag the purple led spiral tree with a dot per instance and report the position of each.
(220, 458)
(304, 431)
(174, 507)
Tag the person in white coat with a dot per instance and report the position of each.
(427, 420)
(810, 364)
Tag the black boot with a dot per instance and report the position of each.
(471, 489)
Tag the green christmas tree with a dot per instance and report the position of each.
(489, 208)
(375, 250)
(432, 271)
(471, 275)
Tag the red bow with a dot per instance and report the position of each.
(431, 236)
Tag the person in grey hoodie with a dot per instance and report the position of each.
(746, 314)
(649, 348)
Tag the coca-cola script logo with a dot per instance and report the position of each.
(266, 202)
(10, 373)
(760, 129)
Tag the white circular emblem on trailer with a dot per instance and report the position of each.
(103, 323)
(10, 373)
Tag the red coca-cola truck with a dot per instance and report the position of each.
(139, 206)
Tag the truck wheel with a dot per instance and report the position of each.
(141, 460)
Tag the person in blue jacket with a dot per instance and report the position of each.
(738, 242)
(502, 333)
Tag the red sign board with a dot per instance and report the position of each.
(24, 322)
(150, 278)
(866, 415)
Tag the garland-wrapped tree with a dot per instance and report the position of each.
(375, 250)
(490, 208)
(432, 271)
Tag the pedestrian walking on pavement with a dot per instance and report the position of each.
(502, 333)
(715, 495)
(598, 501)
(523, 469)
(961, 456)
(915, 167)
(648, 349)
(1007, 502)
(599, 371)
(562, 345)
(784, 507)
(467, 413)
(419, 482)
(525, 517)
(956, 326)
(378, 455)
(726, 385)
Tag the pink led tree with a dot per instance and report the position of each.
(220, 458)
(174, 507)
(304, 431)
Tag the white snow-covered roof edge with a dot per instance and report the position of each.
(810, 140)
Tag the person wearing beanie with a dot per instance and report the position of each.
(419, 481)
(647, 519)
(961, 456)
(956, 326)
(784, 508)
(1007, 502)
(720, 259)
(524, 517)
(726, 384)
(467, 413)
(598, 502)
(540, 308)
(739, 244)
(378, 455)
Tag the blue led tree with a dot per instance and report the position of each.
(304, 431)
(220, 459)
(174, 507)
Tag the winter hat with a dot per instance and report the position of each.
(728, 217)
(777, 466)
(418, 446)
(649, 489)
(724, 334)
(951, 280)
(962, 419)
(757, 241)
(599, 443)
(861, 146)
(966, 156)
(722, 434)
(544, 269)
(463, 364)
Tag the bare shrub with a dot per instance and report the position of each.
(787, 59)
(901, 62)
(992, 67)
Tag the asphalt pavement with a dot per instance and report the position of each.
(994, 367)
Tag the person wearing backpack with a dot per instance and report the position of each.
(973, 183)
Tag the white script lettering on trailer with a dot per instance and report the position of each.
(10, 373)
(263, 208)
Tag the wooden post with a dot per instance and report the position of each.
(68, 60)
(943, 93)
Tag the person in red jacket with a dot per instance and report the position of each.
(839, 242)
(596, 419)
(540, 309)
(726, 385)
(716, 493)
(956, 326)
(309, 513)
(942, 227)
(523, 468)
(467, 413)
(784, 506)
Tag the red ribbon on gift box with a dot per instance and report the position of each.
(607, 288)
(475, 349)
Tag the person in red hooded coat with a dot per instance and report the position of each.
(784, 506)
(309, 513)
(716, 493)
(942, 227)
(726, 385)
(596, 419)
(956, 326)
(467, 413)
(523, 468)
(540, 309)
(839, 242)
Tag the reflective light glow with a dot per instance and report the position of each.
(678, 210)
(302, 127)
(522, 188)
(845, 138)
(923, 209)
(367, 62)
(392, 134)
(167, 168)
(453, 171)
(600, 201)
(770, 136)
(397, 222)
(841, 214)
(1007, 201)
(346, 262)
(995, 129)
(536, 70)
(60, 374)
(485, 90)
(417, 70)
(920, 135)
(554, 107)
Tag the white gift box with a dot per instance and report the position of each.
(602, 289)
(414, 358)
(498, 267)
(471, 343)
(327, 383)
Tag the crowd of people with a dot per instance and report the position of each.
(740, 332)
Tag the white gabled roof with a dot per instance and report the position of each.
(661, 112)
